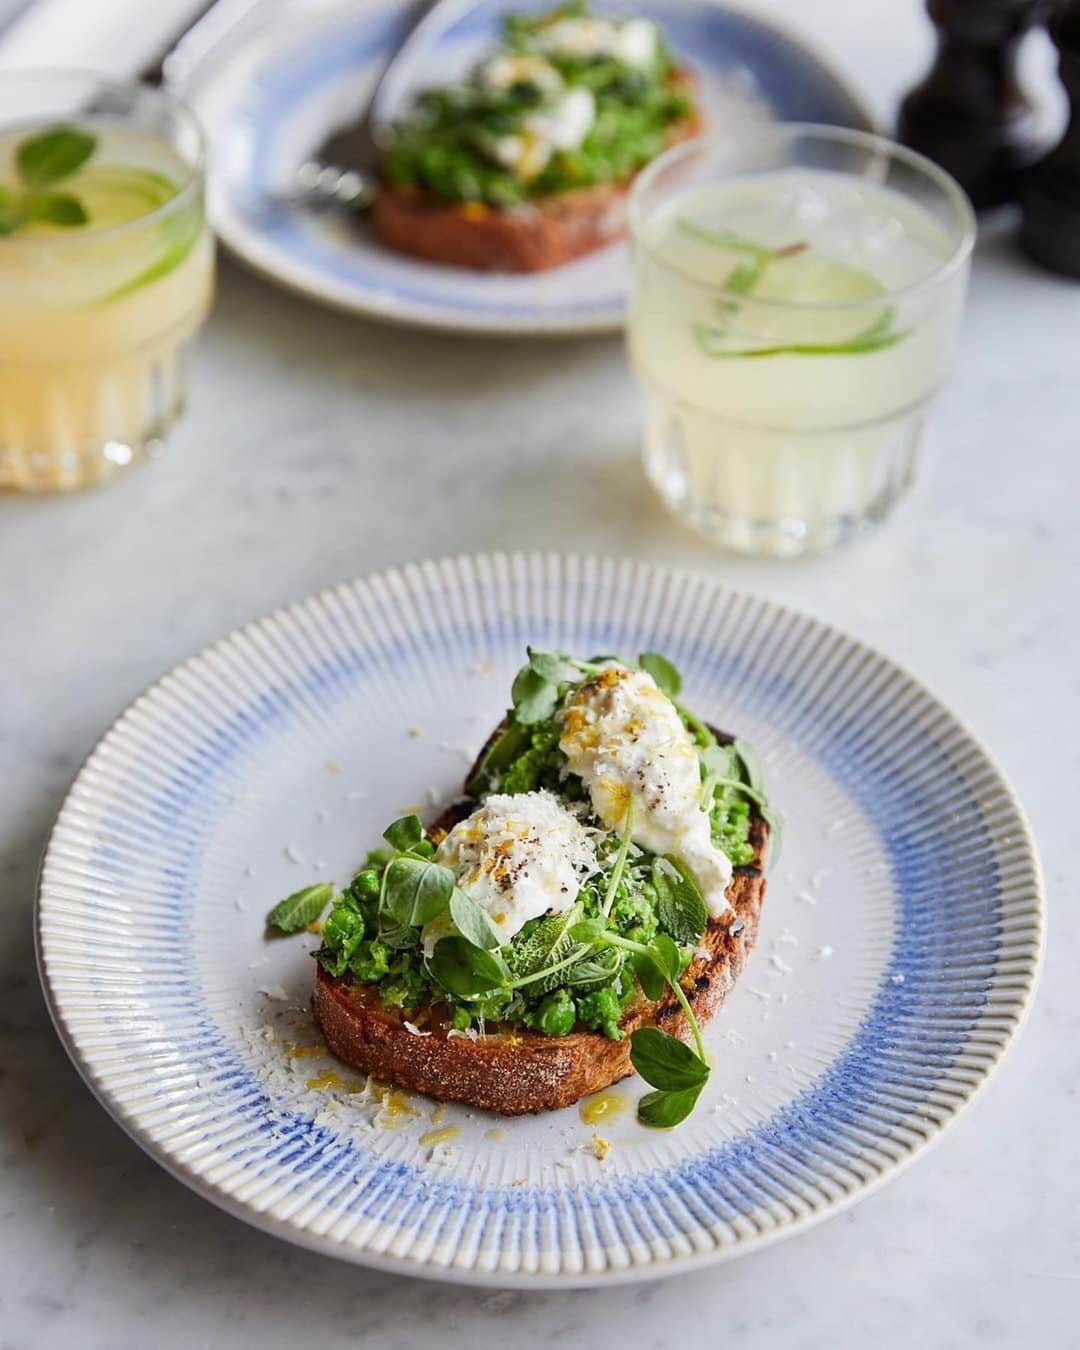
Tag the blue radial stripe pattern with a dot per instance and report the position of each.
(130, 908)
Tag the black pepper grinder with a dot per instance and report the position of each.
(1050, 232)
(970, 114)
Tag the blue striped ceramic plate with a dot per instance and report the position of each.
(899, 944)
(269, 95)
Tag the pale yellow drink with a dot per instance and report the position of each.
(96, 318)
(789, 325)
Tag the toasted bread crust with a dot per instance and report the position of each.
(532, 237)
(515, 1071)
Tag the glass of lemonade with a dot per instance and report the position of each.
(106, 273)
(796, 298)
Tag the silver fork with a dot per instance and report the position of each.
(344, 171)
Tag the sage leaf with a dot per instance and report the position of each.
(296, 911)
(665, 1062)
(472, 921)
(662, 1110)
(416, 890)
(466, 970)
(53, 155)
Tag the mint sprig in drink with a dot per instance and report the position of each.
(795, 304)
(106, 273)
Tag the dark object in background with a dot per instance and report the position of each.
(970, 114)
(1051, 190)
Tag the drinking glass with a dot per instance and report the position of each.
(796, 297)
(100, 300)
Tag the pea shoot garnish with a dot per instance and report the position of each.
(435, 922)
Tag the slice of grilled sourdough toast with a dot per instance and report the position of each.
(539, 234)
(514, 1071)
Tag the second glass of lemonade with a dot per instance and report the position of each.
(106, 273)
(796, 299)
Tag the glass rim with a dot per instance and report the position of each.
(867, 140)
(196, 168)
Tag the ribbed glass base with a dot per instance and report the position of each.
(778, 493)
(65, 427)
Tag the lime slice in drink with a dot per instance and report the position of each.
(828, 315)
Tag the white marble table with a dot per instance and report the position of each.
(318, 447)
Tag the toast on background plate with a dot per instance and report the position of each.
(576, 917)
(527, 163)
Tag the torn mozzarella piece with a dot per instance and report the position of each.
(624, 738)
(518, 856)
(633, 42)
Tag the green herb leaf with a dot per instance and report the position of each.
(680, 906)
(12, 211)
(466, 970)
(667, 958)
(751, 764)
(53, 155)
(649, 977)
(415, 890)
(296, 911)
(511, 742)
(662, 1110)
(404, 834)
(533, 695)
(588, 930)
(472, 921)
(540, 960)
(665, 1062)
(58, 208)
(594, 970)
(548, 665)
(663, 671)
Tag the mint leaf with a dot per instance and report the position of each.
(680, 906)
(664, 672)
(53, 155)
(58, 208)
(472, 921)
(296, 911)
(665, 1062)
(404, 834)
(415, 891)
(662, 1110)
(466, 970)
